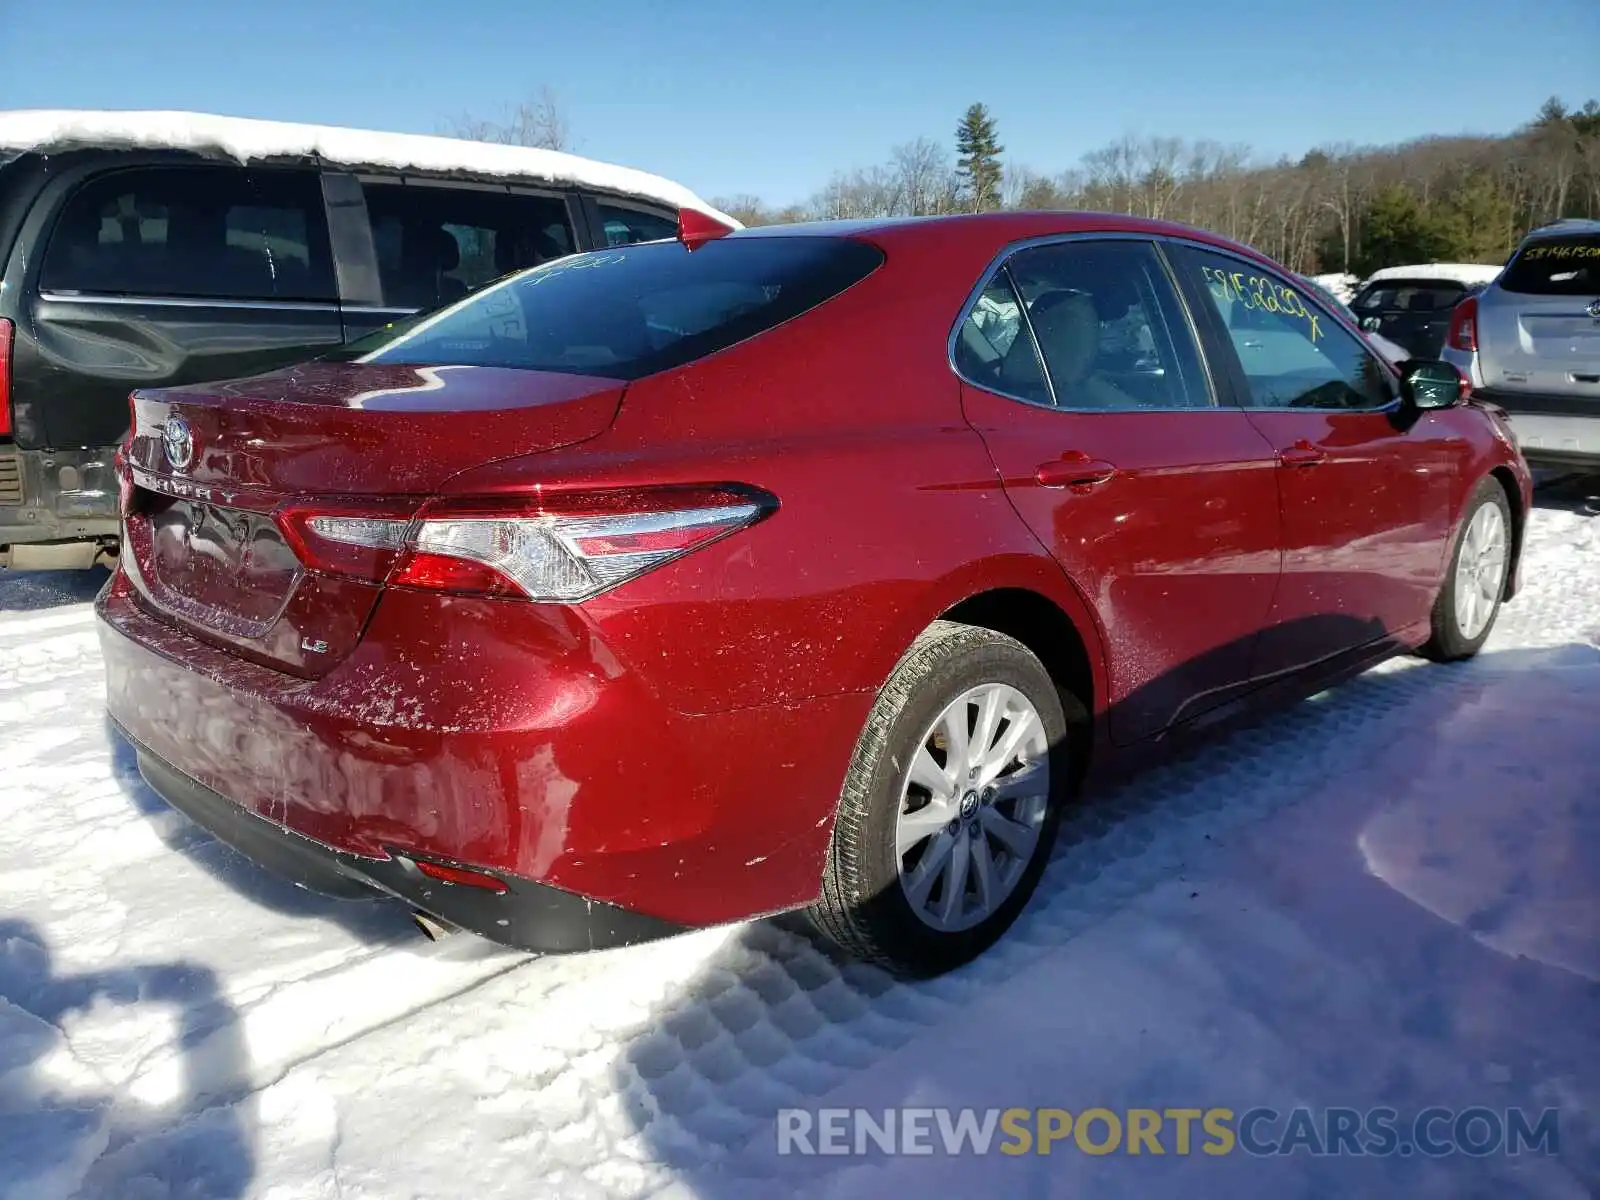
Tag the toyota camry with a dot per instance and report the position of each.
(806, 568)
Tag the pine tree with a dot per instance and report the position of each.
(978, 164)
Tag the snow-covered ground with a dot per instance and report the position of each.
(1387, 895)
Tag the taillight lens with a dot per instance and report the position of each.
(560, 548)
(8, 337)
(1464, 326)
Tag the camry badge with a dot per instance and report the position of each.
(177, 443)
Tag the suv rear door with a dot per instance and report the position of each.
(165, 274)
(1413, 312)
(1539, 325)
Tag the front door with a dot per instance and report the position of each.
(1365, 486)
(1085, 382)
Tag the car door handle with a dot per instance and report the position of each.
(1301, 454)
(1074, 470)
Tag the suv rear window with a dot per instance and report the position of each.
(1568, 266)
(207, 232)
(631, 311)
(1403, 296)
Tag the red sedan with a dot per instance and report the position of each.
(809, 567)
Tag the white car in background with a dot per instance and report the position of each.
(1393, 352)
(1412, 305)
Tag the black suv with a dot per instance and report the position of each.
(140, 250)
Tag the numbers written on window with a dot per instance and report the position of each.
(1085, 326)
(1292, 354)
(197, 232)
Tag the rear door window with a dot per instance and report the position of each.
(624, 225)
(631, 311)
(1568, 266)
(435, 244)
(194, 232)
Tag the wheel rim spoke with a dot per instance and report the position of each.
(925, 772)
(994, 703)
(956, 743)
(916, 827)
(931, 866)
(1031, 780)
(983, 874)
(954, 891)
(1016, 837)
(1024, 729)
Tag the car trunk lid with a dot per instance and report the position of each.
(215, 475)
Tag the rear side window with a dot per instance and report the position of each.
(1568, 266)
(629, 312)
(1409, 297)
(436, 244)
(624, 226)
(200, 232)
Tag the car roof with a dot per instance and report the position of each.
(1000, 228)
(242, 139)
(1564, 228)
(1465, 274)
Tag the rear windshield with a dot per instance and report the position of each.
(628, 312)
(1568, 266)
(1402, 296)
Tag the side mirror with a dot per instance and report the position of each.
(1429, 384)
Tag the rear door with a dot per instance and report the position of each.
(435, 241)
(1365, 491)
(1539, 325)
(1415, 313)
(1159, 505)
(157, 275)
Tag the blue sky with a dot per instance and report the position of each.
(732, 96)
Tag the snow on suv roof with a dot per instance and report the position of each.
(246, 139)
(1463, 273)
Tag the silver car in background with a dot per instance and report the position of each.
(1530, 343)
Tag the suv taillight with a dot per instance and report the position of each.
(7, 340)
(1464, 326)
(558, 548)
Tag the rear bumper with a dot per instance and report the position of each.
(526, 915)
(1551, 429)
(57, 496)
(522, 748)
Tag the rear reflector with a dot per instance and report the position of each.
(460, 875)
(560, 547)
(7, 343)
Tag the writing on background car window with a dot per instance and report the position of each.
(1560, 251)
(1261, 292)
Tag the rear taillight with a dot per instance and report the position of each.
(1464, 326)
(561, 547)
(8, 333)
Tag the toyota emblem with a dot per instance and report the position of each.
(1594, 309)
(177, 443)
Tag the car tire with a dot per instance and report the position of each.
(951, 674)
(1469, 599)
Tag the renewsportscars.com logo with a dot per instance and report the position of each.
(1433, 1132)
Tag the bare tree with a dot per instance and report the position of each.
(540, 121)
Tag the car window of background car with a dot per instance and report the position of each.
(994, 348)
(199, 232)
(1556, 267)
(625, 226)
(632, 311)
(436, 244)
(1109, 326)
(1410, 297)
(1294, 354)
